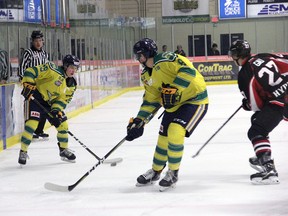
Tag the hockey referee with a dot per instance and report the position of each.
(32, 57)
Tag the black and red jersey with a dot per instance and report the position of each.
(264, 79)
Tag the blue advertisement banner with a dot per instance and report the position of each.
(32, 11)
(232, 9)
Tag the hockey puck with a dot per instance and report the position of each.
(113, 164)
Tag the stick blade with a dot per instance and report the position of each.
(55, 187)
(195, 155)
(113, 160)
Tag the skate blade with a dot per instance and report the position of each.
(21, 166)
(270, 181)
(40, 139)
(162, 189)
(66, 160)
(145, 185)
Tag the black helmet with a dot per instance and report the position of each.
(240, 48)
(145, 46)
(36, 34)
(71, 60)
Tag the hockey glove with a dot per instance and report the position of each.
(71, 82)
(170, 96)
(58, 118)
(245, 105)
(28, 90)
(135, 129)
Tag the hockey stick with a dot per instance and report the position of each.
(56, 187)
(111, 161)
(197, 153)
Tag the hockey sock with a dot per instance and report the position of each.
(176, 135)
(27, 135)
(261, 146)
(62, 135)
(160, 154)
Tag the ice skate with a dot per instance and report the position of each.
(40, 136)
(169, 180)
(268, 176)
(148, 178)
(22, 157)
(255, 164)
(66, 154)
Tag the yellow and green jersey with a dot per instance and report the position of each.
(176, 71)
(50, 82)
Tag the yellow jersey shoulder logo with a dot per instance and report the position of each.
(148, 82)
(58, 83)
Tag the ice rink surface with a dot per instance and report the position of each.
(214, 183)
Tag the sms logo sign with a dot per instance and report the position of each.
(274, 9)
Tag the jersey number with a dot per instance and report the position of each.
(265, 70)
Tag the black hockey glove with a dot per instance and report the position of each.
(170, 96)
(135, 129)
(28, 90)
(58, 118)
(71, 82)
(245, 104)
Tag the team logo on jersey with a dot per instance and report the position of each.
(58, 82)
(35, 114)
(148, 82)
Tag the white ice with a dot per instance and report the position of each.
(214, 183)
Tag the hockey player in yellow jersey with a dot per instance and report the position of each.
(171, 81)
(53, 87)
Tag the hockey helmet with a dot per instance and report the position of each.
(240, 48)
(36, 34)
(145, 46)
(71, 60)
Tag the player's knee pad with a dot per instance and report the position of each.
(162, 142)
(176, 133)
(63, 127)
(31, 125)
(256, 131)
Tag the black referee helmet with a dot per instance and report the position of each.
(37, 34)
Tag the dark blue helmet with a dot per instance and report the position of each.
(71, 60)
(240, 48)
(145, 46)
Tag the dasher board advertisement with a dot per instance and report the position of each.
(189, 11)
(267, 8)
(232, 9)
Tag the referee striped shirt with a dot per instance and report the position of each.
(4, 69)
(31, 58)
